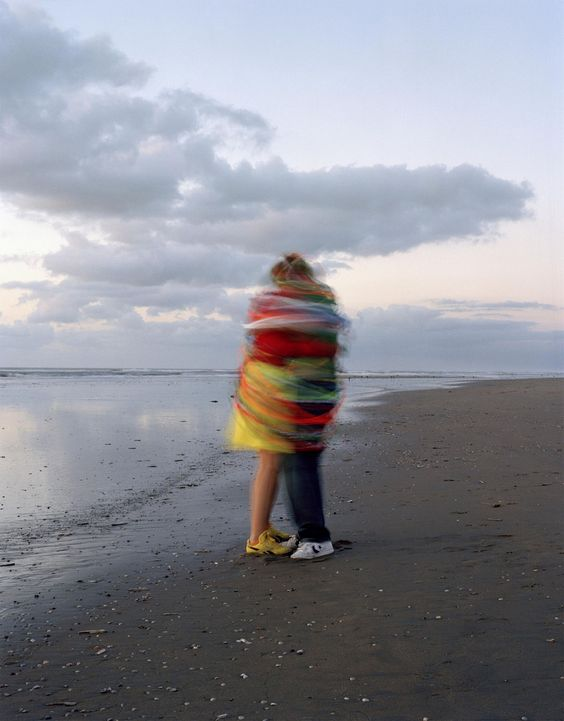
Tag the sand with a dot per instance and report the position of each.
(443, 601)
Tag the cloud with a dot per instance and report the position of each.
(37, 58)
(79, 142)
(422, 338)
(451, 304)
(154, 262)
(21, 340)
(76, 140)
(71, 301)
(408, 338)
(195, 343)
(359, 210)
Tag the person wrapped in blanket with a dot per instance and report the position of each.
(287, 395)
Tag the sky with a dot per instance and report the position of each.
(157, 158)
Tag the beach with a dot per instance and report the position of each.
(444, 599)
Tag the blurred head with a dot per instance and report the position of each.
(292, 267)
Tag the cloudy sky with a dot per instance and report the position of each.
(155, 158)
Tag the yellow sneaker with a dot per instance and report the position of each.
(278, 535)
(266, 546)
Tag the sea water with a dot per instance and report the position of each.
(74, 439)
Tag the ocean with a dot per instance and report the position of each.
(74, 439)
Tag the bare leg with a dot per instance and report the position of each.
(263, 492)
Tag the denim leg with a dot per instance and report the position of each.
(303, 485)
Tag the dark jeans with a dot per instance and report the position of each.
(303, 484)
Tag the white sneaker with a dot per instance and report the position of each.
(312, 549)
(291, 543)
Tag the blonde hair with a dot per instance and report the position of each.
(292, 267)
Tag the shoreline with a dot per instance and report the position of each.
(444, 598)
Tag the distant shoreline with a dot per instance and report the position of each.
(46, 371)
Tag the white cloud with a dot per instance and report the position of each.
(452, 304)
(422, 338)
(363, 211)
(77, 141)
(71, 301)
(154, 263)
(21, 340)
(37, 58)
(130, 342)
(398, 338)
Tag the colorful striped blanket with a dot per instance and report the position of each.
(288, 391)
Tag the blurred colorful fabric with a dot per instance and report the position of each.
(288, 391)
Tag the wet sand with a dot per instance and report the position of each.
(444, 600)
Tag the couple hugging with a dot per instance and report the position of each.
(286, 396)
